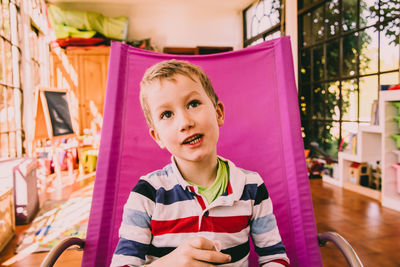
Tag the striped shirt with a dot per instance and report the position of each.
(163, 210)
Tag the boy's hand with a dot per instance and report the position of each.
(195, 251)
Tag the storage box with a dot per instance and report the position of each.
(20, 175)
(7, 219)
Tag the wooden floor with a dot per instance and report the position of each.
(372, 230)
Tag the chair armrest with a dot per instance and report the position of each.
(57, 250)
(344, 247)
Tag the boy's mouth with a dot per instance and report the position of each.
(192, 139)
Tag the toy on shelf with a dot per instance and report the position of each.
(360, 173)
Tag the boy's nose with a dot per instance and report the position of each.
(186, 122)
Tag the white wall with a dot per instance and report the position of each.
(186, 24)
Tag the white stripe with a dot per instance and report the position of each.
(139, 202)
(121, 260)
(177, 210)
(267, 239)
(135, 233)
(266, 259)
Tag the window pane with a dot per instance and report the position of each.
(350, 100)
(10, 110)
(318, 98)
(332, 56)
(389, 9)
(349, 15)
(368, 12)
(333, 136)
(391, 78)
(16, 56)
(1, 60)
(306, 29)
(4, 145)
(368, 93)
(369, 51)
(262, 16)
(332, 17)
(305, 68)
(3, 110)
(6, 19)
(319, 61)
(305, 102)
(389, 45)
(8, 63)
(258, 41)
(318, 25)
(12, 144)
(350, 55)
(273, 35)
(13, 24)
(332, 102)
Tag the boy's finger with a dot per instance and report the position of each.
(200, 242)
(210, 256)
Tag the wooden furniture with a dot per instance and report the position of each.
(374, 143)
(84, 71)
(7, 217)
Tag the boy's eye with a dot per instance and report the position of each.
(193, 103)
(166, 115)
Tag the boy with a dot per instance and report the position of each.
(200, 209)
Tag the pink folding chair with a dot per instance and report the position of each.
(261, 132)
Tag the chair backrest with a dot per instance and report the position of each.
(262, 132)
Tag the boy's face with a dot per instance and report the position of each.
(185, 120)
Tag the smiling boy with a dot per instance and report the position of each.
(200, 209)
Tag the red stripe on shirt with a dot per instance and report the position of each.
(232, 224)
(283, 262)
(184, 225)
(229, 188)
(201, 202)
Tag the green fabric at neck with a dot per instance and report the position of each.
(212, 192)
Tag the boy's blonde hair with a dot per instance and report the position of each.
(167, 70)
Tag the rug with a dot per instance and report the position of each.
(55, 221)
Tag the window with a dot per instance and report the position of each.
(10, 88)
(262, 21)
(347, 50)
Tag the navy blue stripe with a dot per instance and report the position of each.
(249, 192)
(262, 194)
(173, 195)
(145, 189)
(278, 248)
(238, 252)
(131, 248)
(160, 251)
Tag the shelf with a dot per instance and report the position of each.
(374, 143)
(372, 193)
(370, 128)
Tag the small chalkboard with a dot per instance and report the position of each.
(60, 117)
(53, 117)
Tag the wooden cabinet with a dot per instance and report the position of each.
(84, 71)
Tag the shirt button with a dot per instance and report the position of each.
(206, 213)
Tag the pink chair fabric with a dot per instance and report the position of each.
(262, 133)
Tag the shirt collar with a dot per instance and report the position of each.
(236, 179)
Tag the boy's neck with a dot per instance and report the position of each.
(200, 173)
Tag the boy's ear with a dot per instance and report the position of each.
(220, 109)
(153, 133)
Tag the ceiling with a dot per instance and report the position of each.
(227, 4)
